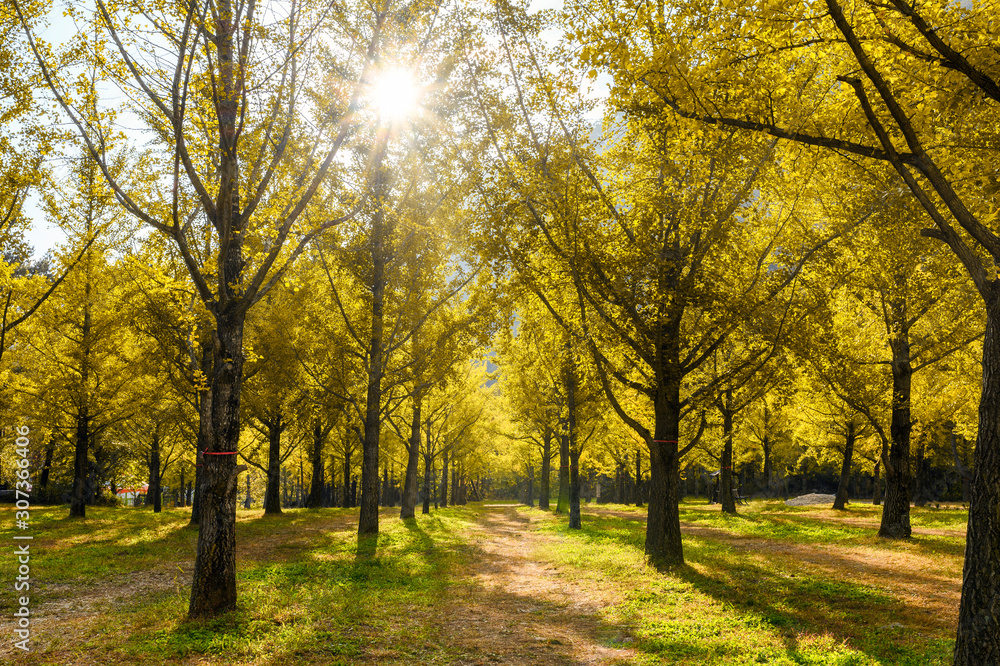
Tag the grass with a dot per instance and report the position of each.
(773, 585)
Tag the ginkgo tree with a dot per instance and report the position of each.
(911, 84)
(883, 285)
(530, 386)
(244, 150)
(666, 256)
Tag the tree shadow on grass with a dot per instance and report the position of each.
(421, 538)
(411, 601)
(427, 594)
(803, 525)
(770, 589)
(366, 548)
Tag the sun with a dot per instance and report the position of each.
(395, 95)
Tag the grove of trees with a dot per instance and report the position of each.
(418, 253)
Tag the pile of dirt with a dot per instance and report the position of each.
(811, 498)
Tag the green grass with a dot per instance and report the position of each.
(857, 525)
(739, 605)
(309, 594)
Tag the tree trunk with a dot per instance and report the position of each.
(530, 494)
(766, 481)
(663, 525)
(50, 447)
(444, 479)
(574, 489)
(332, 497)
(272, 496)
(919, 475)
(428, 470)
(78, 505)
(543, 482)
(877, 481)
(300, 489)
(181, 495)
(368, 518)
(638, 478)
(845, 469)
(626, 481)
(383, 494)
(562, 504)
(574, 446)
(978, 639)
(91, 483)
(427, 484)
(213, 589)
(962, 470)
(315, 499)
(726, 476)
(153, 494)
(204, 433)
(408, 502)
(896, 510)
(393, 486)
(346, 499)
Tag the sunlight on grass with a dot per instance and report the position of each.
(308, 594)
(736, 606)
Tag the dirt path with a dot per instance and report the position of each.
(518, 611)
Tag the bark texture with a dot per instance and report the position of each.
(543, 482)
(204, 432)
(574, 451)
(726, 482)
(562, 503)
(408, 503)
(444, 479)
(896, 506)
(978, 639)
(213, 589)
(840, 500)
(78, 503)
(317, 482)
(368, 518)
(153, 494)
(663, 524)
(272, 496)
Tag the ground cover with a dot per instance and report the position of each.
(497, 584)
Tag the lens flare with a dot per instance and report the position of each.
(395, 96)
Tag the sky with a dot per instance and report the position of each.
(43, 236)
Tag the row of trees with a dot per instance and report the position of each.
(747, 232)
(296, 263)
(772, 181)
